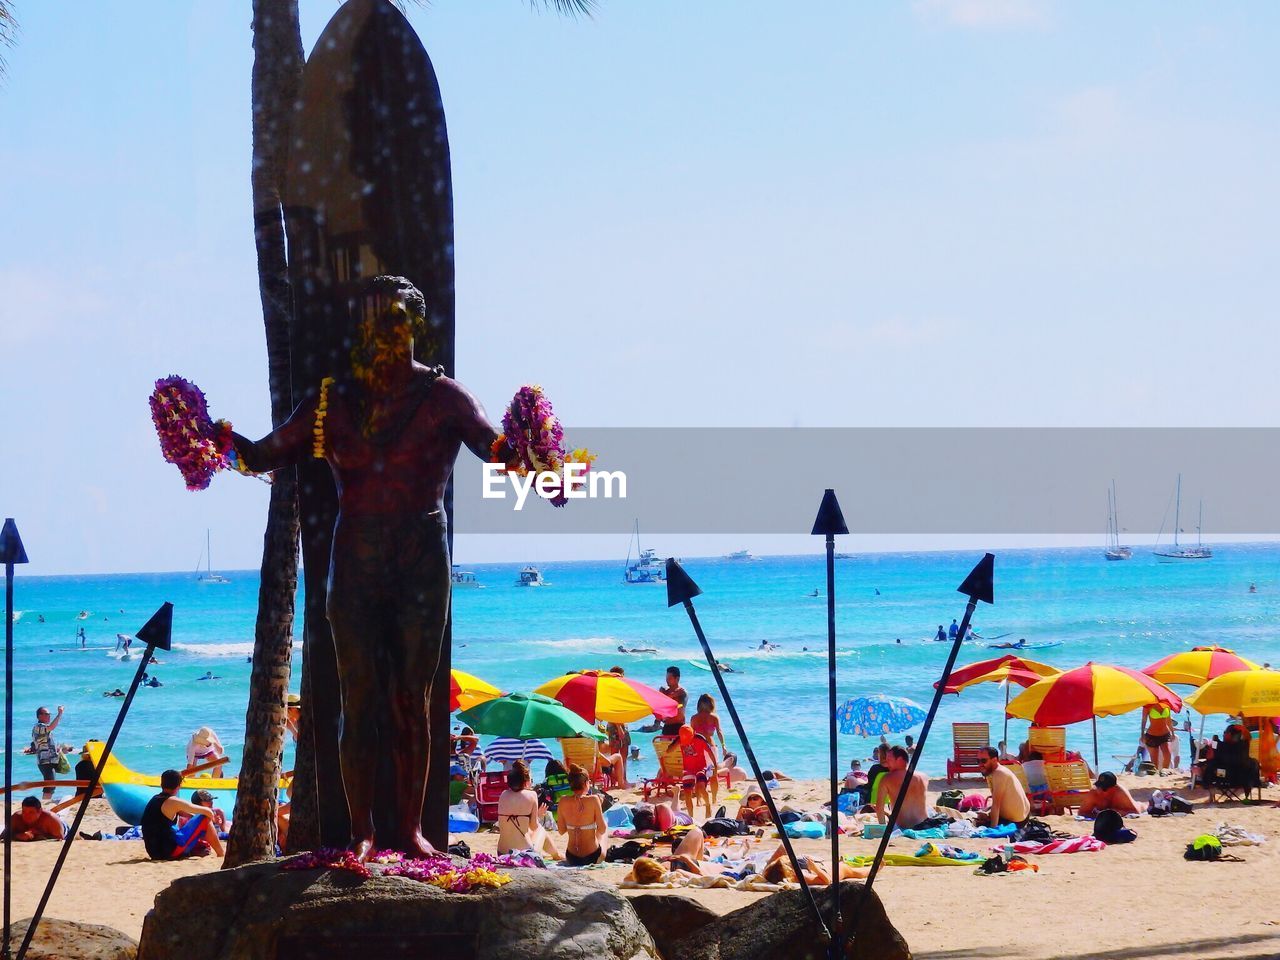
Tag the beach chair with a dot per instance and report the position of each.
(1040, 798)
(968, 741)
(1069, 784)
(670, 769)
(489, 787)
(1233, 774)
(1049, 742)
(585, 753)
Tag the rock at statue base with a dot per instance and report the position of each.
(70, 940)
(783, 925)
(671, 917)
(265, 913)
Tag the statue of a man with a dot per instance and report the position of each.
(390, 434)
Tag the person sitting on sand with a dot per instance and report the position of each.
(581, 816)
(754, 812)
(32, 821)
(203, 798)
(855, 778)
(205, 747)
(813, 870)
(1009, 803)
(163, 840)
(1107, 794)
(520, 816)
(466, 754)
(915, 807)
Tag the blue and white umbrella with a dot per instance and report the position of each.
(510, 749)
(877, 715)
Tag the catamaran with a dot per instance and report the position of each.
(208, 576)
(1177, 551)
(1114, 549)
(647, 568)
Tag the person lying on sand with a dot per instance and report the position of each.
(813, 870)
(33, 822)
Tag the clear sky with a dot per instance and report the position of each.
(946, 212)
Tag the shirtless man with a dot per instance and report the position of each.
(390, 433)
(915, 808)
(671, 725)
(1107, 794)
(1009, 803)
(33, 822)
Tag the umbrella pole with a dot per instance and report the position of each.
(1194, 769)
(1095, 743)
(1006, 715)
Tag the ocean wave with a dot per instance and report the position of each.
(583, 643)
(240, 649)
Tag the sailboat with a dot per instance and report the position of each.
(647, 568)
(1177, 551)
(208, 576)
(1114, 549)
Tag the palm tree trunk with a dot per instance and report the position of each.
(277, 70)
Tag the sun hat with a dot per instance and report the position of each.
(294, 700)
(457, 770)
(203, 735)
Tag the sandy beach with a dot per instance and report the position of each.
(1131, 901)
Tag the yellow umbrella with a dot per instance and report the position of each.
(1199, 665)
(1241, 693)
(466, 691)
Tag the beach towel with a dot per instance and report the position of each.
(932, 833)
(990, 833)
(1074, 845)
(961, 829)
(805, 829)
(916, 860)
(1233, 836)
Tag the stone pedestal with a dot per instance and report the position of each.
(264, 913)
(71, 940)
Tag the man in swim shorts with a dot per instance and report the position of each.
(163, 840)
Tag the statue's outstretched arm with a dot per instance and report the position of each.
(473, 425)
(287, 444)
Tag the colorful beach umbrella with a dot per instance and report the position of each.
(524, 716)
(1198, 666)
(509, 750)
(1242, 693)
(876, 715)
(598, 695)
(1088, 692)
(466, 691)
(1009, 670)
(1094, 690)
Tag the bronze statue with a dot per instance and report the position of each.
(390, 434)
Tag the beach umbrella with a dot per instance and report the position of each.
(1241, 693)
(1198, 666)
(466, 691)
(1008, 670)
(598, 695)
(1088, 692)
(527, 715)
(511, 749)
(877, 714)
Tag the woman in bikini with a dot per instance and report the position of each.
(815, 872)
(1158, 731)
(706, 723)
(520, 816)
(582, 818)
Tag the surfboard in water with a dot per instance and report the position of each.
(368, 192)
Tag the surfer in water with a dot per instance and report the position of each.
(1019, 645)
(941, 635)
(724, 667)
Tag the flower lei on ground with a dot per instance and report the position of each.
(444, 873)
(189, 438)
(327, 858)
(532, 439)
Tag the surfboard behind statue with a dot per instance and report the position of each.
(368, 191)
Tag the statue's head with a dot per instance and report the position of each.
(391, 311)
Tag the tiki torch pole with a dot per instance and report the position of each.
(829, 522)
(11, 552)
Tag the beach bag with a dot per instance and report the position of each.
(1179, 805)
(627, 852)
(1204, 847)
(1034, 831)
(950, 798)
(973, 802)
(724, 827)
(63, 765)
(1108, 826)
(460, 849)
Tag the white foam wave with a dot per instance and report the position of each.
(583, 643)
(241, 649)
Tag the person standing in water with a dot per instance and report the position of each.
(941, 635)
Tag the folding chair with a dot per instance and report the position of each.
(1040, 798)
(968, 743)
(1069, 784)
(670, 769)
(585, 753)
(1049, 742)
(489, 787)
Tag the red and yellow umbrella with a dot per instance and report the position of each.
(598, 695)
(1094, 690)
(466, 691)
(1198, 666)
(1007, 668)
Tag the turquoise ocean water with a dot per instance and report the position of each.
(1128, 613)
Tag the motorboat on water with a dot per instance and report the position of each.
(647, 567)
(740, 555)
(530, 577)
(464, 580)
